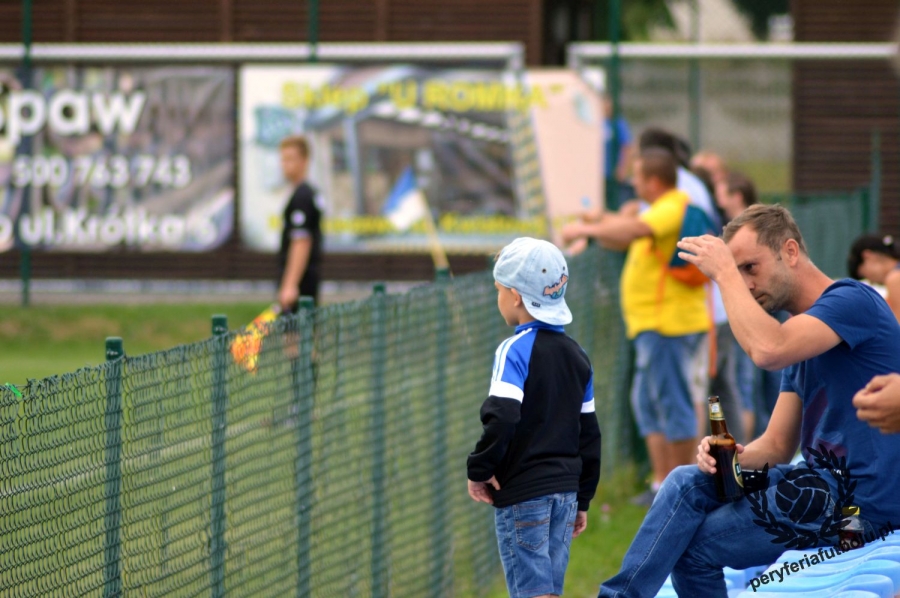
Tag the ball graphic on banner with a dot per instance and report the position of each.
(802, 495)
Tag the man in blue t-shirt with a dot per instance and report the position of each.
(840, 336)
(617, 143)
(618, 152)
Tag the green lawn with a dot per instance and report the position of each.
(597, 553)
(769, 177)
(41, 341)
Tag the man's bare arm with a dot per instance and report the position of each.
(297, 261)
(778, 444)
(612, 229)
(768, 342)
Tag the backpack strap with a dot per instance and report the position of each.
(712, 367)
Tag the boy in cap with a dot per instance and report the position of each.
(538, 459)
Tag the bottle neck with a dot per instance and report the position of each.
(717, 419)
(717, 427)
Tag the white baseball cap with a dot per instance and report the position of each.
(538, 271)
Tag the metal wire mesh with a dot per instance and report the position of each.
(740, 109)
(830, 223)
(334, 466)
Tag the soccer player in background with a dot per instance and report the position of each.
(300, 256)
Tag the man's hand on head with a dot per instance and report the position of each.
(708, 253)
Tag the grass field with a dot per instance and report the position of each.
(769, 177)
(41, 341)
(45, 340)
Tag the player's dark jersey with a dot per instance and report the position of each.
(540, 429)
(302, 218)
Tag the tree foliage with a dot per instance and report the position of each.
(640, 17)
(637, 19)
(759, 12)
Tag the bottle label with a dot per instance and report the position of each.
(737, 471)
(715, 411)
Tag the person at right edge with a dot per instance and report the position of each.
(842, 333)
(538, 459)
(300, 256)
(876, 259)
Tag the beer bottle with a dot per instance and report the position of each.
(852, 532)
(722, 448)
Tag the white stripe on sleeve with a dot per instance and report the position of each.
(507, 391)
(588, 406)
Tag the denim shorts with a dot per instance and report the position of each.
(534, 538)
(661, 390)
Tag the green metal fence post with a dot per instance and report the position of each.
(379, 445)
(25, 256)
(219, 424)
(112, 519)
(440, 527)
(619, 436)
(304, 398)
(613, 88)
(590, 297)
(862, 197)
(872, 222)
(695, 83)
(313, 30)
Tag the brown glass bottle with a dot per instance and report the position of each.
(722, 448)
(852, 534)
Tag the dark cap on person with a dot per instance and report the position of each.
(883, 244)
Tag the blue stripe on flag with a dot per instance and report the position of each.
(404, 186)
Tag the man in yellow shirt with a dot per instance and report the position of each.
(665, 318)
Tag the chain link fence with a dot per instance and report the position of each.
(325, 458)
(830, 222)
(332, 464)
(740, 109)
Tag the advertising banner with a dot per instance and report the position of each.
(97, 159)
(404, 155)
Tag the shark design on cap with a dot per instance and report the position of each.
(558, 289)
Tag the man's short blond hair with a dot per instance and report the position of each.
(297, 142)
(773, 224)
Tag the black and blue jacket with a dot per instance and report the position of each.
(540, 429)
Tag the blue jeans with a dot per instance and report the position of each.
(534, 538)
(661, 393)
(687, 532)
